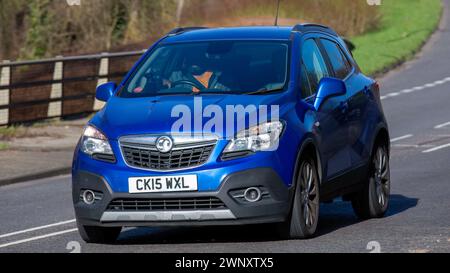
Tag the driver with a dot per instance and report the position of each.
(199, 77)
(194, 74)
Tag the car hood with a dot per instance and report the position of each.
(137, 116)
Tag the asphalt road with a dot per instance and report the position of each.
(37, 216)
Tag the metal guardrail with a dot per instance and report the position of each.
(58, 87)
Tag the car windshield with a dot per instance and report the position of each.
(224, 67)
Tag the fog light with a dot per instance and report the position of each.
(89, 197)
(252, 195)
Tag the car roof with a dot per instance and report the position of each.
(230, 33)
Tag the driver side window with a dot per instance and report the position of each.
(313, 67)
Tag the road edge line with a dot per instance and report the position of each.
(38, 237)
(37, 228)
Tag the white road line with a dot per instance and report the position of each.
(416, 88)
(412, 146)
(37, 228)
(442, 125)
(437, 148)
(394, 94)
(401, 138)
(39, 237)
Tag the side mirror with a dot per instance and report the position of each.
(329, 87)
(105, 91)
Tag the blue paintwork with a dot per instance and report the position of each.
(344, 139)
(105, 91)
(329, 87)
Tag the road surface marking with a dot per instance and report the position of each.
(39, 237)
(412, 146)
(416, 88)
(442, 125)
(37, 228)
(401, 138)
(437, 148)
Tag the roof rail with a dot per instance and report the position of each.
(307, 27)
(180, 30)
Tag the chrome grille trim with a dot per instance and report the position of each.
(189, 152)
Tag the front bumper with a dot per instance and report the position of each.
(274, 207)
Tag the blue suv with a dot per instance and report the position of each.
(307, 127)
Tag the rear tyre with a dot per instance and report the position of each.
(373, 200)
(302, 222)
(99, 235)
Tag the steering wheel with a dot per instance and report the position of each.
(197, 85)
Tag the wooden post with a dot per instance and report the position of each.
(55, 108)
(179, 11)
(5, 79)
(103, 78)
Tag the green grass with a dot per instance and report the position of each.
(9, 132)
(19, 131)
(3, 146)
(405, 27)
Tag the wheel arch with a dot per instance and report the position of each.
(382, 136)
(308, 147)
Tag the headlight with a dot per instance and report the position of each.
(94, 142)
(264, 137)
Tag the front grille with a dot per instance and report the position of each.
(200, 203)
(147, 157)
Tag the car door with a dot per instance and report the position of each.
(332, 116)
(357, 97)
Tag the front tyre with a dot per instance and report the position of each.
(99, 235)
(304, 216)
(373, 200)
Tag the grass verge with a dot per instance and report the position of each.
(3, 146)
(405, 26)
(26, 130)
(6, 133)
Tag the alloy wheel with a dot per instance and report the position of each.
(309, 194)
(381, 176)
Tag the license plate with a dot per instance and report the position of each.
(162, 184)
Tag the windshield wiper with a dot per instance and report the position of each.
(265, 91)
(215, 92)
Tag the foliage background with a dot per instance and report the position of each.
(44, 28)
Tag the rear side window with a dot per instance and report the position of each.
(339, 62)
(314, 65)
